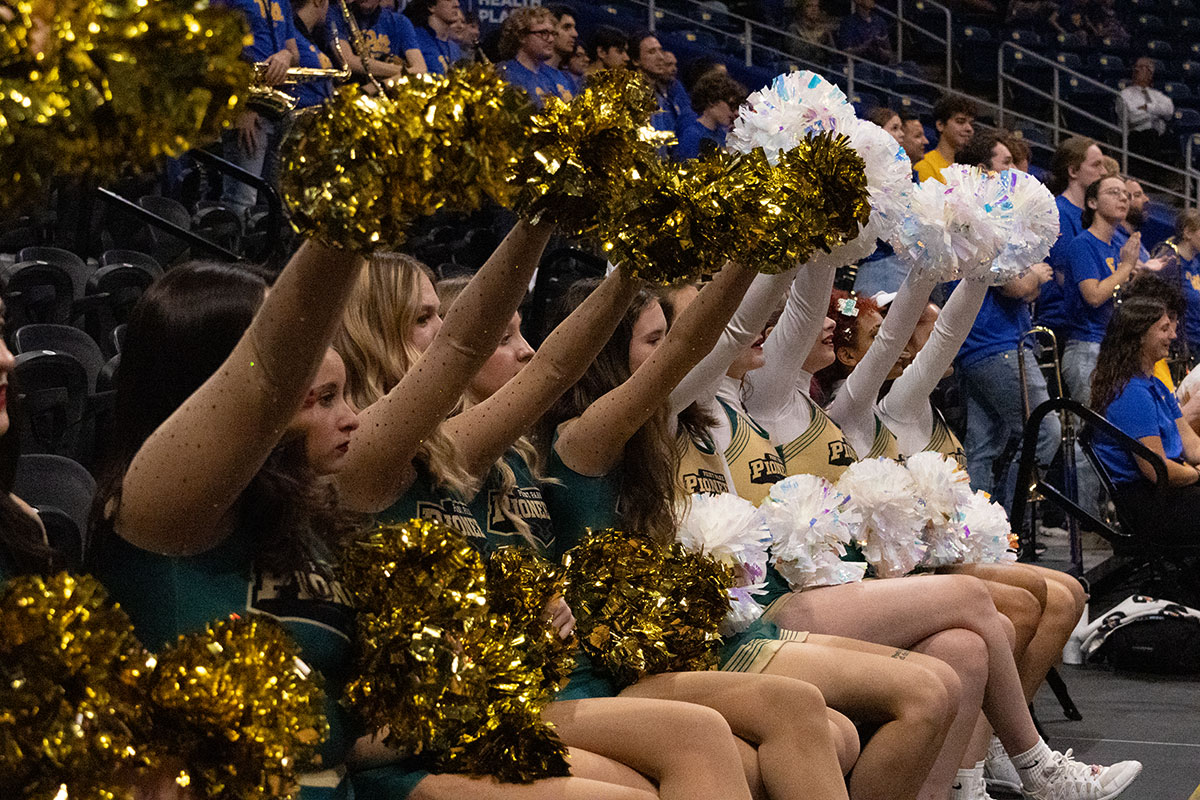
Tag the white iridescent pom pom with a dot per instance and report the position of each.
(989, 535)
(734, 532)
(956, 229)
(943, 489)
(1034, 226)
(782, 115)
(811, 523)
(885, 495)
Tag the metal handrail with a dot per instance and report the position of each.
(901, 21)
(747, 39)
(1189, 172)
(1005, 76)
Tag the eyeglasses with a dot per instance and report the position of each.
(545, 33)
(1117, 193)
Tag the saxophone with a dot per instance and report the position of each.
(274, 103)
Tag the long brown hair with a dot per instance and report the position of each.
(1121, 351)
(845, 334)
(648, 471)
(1069, 155)
(179, 333)
(373, 341)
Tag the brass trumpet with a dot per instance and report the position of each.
(274, 103)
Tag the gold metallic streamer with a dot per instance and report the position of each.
(91, 88)
(72, 678)
(643, 609)
(238, 705)
(582, 154)
(451, 680)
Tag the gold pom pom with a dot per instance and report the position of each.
(89, 89)
(643, 609)
(450, 680)
(520, 584)
(359, 170)
(580, 155)
(72, 678)
(238, 705)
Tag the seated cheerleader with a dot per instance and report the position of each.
(252, 527)
(400, 361)
(932, 615)
(618, 465)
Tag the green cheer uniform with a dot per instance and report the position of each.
(942, 440)
(752, 459)
(821, 450)
(167, 596)
(884, 445)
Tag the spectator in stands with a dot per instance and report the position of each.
(954, 118)
(390, 39)
(715, 99)
(579, 65)
(608, 48)
(311, 41)
(914, 141)
(672, 62)
(987, 362)
(812, 33)
(1077, 164)
(466, 34)
(1104, 25)
(254, 140)
(674, 105)
(527, 42)
(433, 21)
(889, 120)
(1148, 112)
(1133, 222)
(1021, 154)
(1130, 397)
(866, 34)
(565, 37)
(1187, 246)
(1068, 18)
(1034, 14)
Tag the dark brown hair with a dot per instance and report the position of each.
(1069, 155)
(1121, 351)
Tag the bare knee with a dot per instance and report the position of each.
(702, 732)
(791, 707)
(1010, 630)
(1022, 609)
(928, 704)
(971, 595)
(845, 740)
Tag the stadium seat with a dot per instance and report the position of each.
(106, 381)
(1160, 50)
(167, 248)
(135, 257)
(118, 337)
(1107, 67)
(220, 225)
(1029, 39)
(111, 295)
(976, 54)
(36, 291)
(1074, 42)
(62, 492)
(76, 267)
(53, 390)
(1110, 45)
(1148, 24)
(1187, 122)
(1144, 6)
(62, 339)
(864, 102)
(1178, 92)
(1190, 26)
(1070, 61)
(1182, 7)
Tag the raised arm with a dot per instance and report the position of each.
(790, 342)
(593, 443)
(747, 323)
(377, 469)
(484, 432)
(861, 389)
(189, 473)
(910, 392)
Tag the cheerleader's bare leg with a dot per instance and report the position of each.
(785, 718)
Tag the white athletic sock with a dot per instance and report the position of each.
(995, 749)
(968, 784)
(1032, 765)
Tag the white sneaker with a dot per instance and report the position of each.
(1068, 779)
(1000, 774)
(968, 789)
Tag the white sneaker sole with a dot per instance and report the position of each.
(1114, 792)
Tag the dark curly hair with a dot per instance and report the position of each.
(1121, 351)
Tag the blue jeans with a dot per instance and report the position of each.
(264, 162)
(879, 275)
(1078, 363)
(996, 421)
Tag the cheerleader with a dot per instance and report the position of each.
(471, 472)
(613, 474)
(938, 609)
(251, 526)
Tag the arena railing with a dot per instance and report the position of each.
(1103, 115)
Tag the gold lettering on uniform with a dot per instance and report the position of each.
(276, 12)
(705, 482)
(378, 44)
(768, 469)
(1194, 279)
(523, 503)
(1109, 262)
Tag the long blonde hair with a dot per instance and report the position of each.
(448, 291)
(373, 342)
